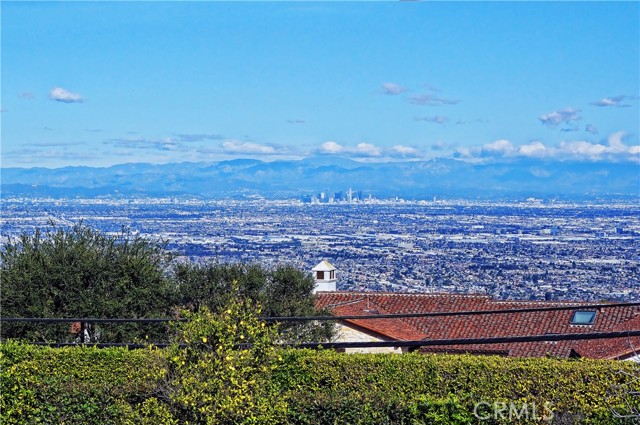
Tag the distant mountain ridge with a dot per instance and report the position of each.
(291, 178)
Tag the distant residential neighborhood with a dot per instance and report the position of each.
(520, 250)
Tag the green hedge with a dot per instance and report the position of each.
(116, 386)
(418, 388)
(76, 385)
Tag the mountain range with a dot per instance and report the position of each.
(241, 178)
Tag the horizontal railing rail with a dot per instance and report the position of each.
(343, 345)
(411, 344)
(569, 306)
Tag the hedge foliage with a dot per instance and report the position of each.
(224, 368)
(89, 386)
(77, 385)
(444, 389)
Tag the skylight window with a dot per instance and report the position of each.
(583, 317)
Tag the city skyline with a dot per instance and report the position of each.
(104, 83)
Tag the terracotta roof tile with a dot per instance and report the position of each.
(480, 326)
(613, 348)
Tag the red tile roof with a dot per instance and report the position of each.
(613, 348)
(480, 326)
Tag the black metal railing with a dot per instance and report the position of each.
(411, 345)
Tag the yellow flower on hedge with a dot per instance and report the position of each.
(204, 339)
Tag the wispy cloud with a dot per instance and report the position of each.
(191, 138)
(431, 88)
(616, 101)
(61, 95)
(589, 128)
(392, 89)
(442, 146)
(27, 95)
(296, 121)
(55, 144)
(438, 119)
(166, 144)
(476, 121)
(3, 110)
(562, 116)
(570, 129)
(35, 156)
(430, 99)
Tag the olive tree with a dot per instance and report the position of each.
(283, 291)
(81, 272)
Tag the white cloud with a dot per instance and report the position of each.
(502, 147)
(61, 95)
(236, 146)
(405, 151)
(613, 101)
(533, 149)
(367, 149)
(615, 142)
(361, 150)
(580, 149)
(553, 119)
(464, 152)
(614, 150)
(331, 148)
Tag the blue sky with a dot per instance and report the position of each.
(102, 83)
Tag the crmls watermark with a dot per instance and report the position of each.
(513, 411)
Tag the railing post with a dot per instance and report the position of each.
(82, 327)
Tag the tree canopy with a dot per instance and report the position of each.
(283, 291)
(79, 272)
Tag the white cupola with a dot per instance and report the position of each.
(325, 275)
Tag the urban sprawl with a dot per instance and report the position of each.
(529, 249)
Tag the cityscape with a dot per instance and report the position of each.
(264, 212)
(530, 249)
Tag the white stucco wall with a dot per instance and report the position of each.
(349, 334)
(635, 358)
